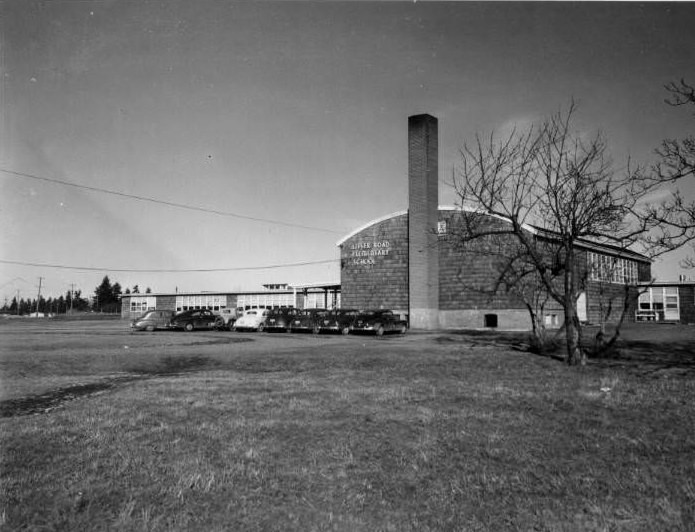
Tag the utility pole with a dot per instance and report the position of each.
(38, 298)
(72, 295)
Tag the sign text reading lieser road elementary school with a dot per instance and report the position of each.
(366, 253)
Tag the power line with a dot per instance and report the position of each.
(12, 281)
(169, 203)
(202, 270)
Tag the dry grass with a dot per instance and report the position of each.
(423, 432)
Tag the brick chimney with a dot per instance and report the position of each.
(423, 205)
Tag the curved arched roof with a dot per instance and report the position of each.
(605, 248)
(401, 213)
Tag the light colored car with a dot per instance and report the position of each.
(152, 320)
(252, 320)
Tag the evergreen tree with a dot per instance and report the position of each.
(24, 307)
(78, 302)
(103, 294)
(116, 294)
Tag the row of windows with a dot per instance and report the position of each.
(212, 302)
(609, 269)
(139, 304)
(265, 300)
(311, 300)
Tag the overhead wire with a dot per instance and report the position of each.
(168, 203)
(197, 270)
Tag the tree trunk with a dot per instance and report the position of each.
(575, 354)
(538, 336)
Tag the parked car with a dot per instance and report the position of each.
(278, 319)
(252, 320)
(307, 320)
(379, 322)
(189, 320)
(338, 320)
(152, 320)
(227, 318)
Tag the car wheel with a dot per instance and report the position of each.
(188, 327)
(149, 328)
(379, 331)
(345, 331)
(219, 324)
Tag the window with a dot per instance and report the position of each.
(659, 303)
(551, 320)
(605, 268)
(671, 297)
(140, 304)
(645, 301)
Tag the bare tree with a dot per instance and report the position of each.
(513, 273)
(672, 221)
(552, 184)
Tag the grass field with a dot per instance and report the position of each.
(102, 429)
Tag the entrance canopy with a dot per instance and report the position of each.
(329, 289)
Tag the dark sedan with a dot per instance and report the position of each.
(279, 319)
(306, 320)
(379, 322)
(152, 320)
(338, 320)
(189, 320)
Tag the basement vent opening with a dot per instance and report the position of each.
(491, 320)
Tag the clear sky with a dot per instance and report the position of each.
(290, 112)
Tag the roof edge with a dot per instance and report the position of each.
(369, 224)
(465, 208)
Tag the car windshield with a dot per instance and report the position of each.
(251, 313)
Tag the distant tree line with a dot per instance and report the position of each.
(107, 299)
